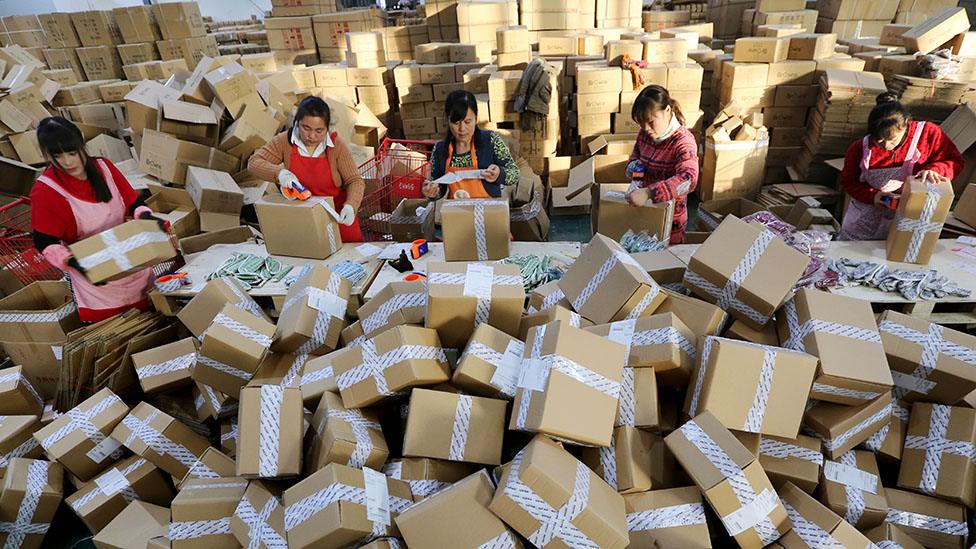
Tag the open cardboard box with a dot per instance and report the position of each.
(176, 206)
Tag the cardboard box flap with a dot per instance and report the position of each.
(688, 443)
(189, 113)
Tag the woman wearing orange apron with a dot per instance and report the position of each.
(467, 149)
(310, 157)
(76, 197)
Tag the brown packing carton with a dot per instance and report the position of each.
(922, 210)
(755, 49)
(314, 313)
(843, 427)
(98, 501)
(843, 334)
(59, 30)
(18, 393)
(234, 86)
(765, 518)
(137, 24)
(158, 151)
(210, 403)
(407, 225)
(175, 206)
(212, 464)
(228, 436)
(612, 215)
(300, 229)
(346, 436)
(765, 336)
(454, 427)
(944, 376)
(432, 523)
(216, 196)
(232, 349)
(259, 517)
(475, 230)
(796, 460)
(660, 341)
(636, 461)
(814, 524)
(551, 401)
(890, 532)
(317, 377)
(638, 405)
(123, 250)
(460, 296)
(664, 267)
(189, 121)
(134, 527)
(202, 510)
(179, 20)
(96, 28)
(397, 304)
(935, 459)
(490, 363)
(851, 487)
(166, 367)
(161, 439)
(65, 439)
(344, 520)
(199, 313)
(684, 504)
(100, 62)
(771, 276)
(419, 360)
(16, 439)
(931, 522)
(701, 317)
(142, 104)
(32, 491)
(130, 54)
(560, 311)
(270, 431)
(935, 31)
(546, 471)
(427, 476)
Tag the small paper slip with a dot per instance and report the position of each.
(534, 375)
(103, 449)
(56, 350)
(326, 302)
(377, 496)
(111, 482)
(393, 251)
(967, 267)
(749, 515)
(454, 177)
(968, 240)
(368, 250)
(912, 383)
(968, 253)
(622, 332)
(477, 280)
(507, 372)
(198, 287)
(850, 476)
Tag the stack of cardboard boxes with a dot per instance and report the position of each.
(727, 16)
(913, 12)
(778, 13)
(442, 20)
(292, 40)
(369, 74)
(478, 20)
(400, 41)
(852, 19)
(22, 30)
(329, 30)
(546, 15)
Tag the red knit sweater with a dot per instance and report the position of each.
(670, 173)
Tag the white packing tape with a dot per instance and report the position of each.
(827, 389)
(921, 521)
(244, 331)
(617, 257)
(125, 487)
(116, 250)
(381, 316)
(572, 369)
(660, 336)
(505, 540)
(155, 440)
(757, 412)
(627, 403)
(808, 531)
(269, 429)
(56, 315)
(225, 368)
(855, 499)
(921, 226)
(244, 301)
(934, 345)
(783, 450)
(672, 516)
(374, 366)
(461, 427)
(552, 299)
(21, 450)
(936, 445)
(302, 510)
(260, 533)
(186, 530)
(173, 365)
(20, 378)
(608, 462)
(360, 431)
(23, 525)
(82, 421)
(507, 364)
(833, 444)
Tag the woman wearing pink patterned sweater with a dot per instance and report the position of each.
(668, 154)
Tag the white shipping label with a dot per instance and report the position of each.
(969, 240)
(56, 350)
(534, 374)
(507, 372)
(368, 250)
(103, 449)
(749, 515)
(851, 476)
(377, 496)
(477, 280)
(912, 383)
(112, 482)
(622, 332)
(326, 302)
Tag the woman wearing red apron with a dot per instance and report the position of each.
(466, 148)
(78, 196)
(876, 167)
(309, 156)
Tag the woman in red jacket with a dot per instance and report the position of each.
(668, 154)
(78, 196)
(875, 168)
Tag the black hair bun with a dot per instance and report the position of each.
(887, 97)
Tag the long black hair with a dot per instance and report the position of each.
(311, 106)
(652, 99)
(58, 135)
(456, 107)
(887, 115)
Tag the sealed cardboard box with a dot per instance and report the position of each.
(490, 363)
(649, 518)
(202, 510)
(16, 438)
(163, 440)
(551, 401)
(135, 526)
(137, 24)
(635, 461)
(179, 20)
(461, 296)
(32, 491)
(935, 31)
(100, 500)
(338, 522)
(797, 460)
(601, 520)
(301, 229)
(270, 431)
(211, 404)
(665, 50)
(397, 304)
(59, 30)
(317, 377)
(931, 522)
(757, 49)
(842, 427)
(851, 487)
(67, 441)
(922, 210)
(96, 28)
(774, 381)
(100, 62)
(659, 341)
(344, 435)
(314, 313)
(216, 196)
(814, 524)
(123, 250)
(166, 367)
(701, 317)
(212, 464)
(737, 247)
(399, 358)
(199, 313)
(455, 427)
(259, 518)
(740, 484)
(233, 347)
(843, 334)
(475, 230)
(935, 460)
(427, 476)
(612, 215)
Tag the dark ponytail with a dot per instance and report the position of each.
(652, 99)
(889, 114)
(58, 135)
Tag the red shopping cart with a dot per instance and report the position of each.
(17, 253)
(398, 171)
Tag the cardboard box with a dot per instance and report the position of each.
(766, 518)
(636, 461)
(212, 464)
(235, 87)
(313, 314)
(779, 380)
(659, 341)
(734, 168)
(65, 441)
(490, 363)
(757, 49)
(813, 523)
(161, 439)
(123, 250)
(130, 54)
(59, 30)
(812, 46)
(550, 401)
(175, 206)
(843, 427)
(397, 304)
(233, 348)
(270, 431)
(344, 520)
(134, 527)
(612, 215)
(16, 439)
(890, 532)
(408, 224)
(427, 476)
(310, 230)
(47, 309)
(166, 367)
(202, 510)
(362, 381)
(179, 20)
(462, 296)
(142, 104)
(601, 520)
(159, 150)
(199, 313)
(689, 530)
(797, 460)
(98, 501)
(211, 404)
(851, 487)
(638, 405)
(344, 435)
(216, 196)
(100, 62)
(922, 210)
(32, 492)
(770, 279)
(259, 517)
(618, 291)
(18, 393)
(842, 333)
(934, 461)
(137, 24)
(465, 239)
(935, 31)
(96, 28)
(440, 425)
(931, 522)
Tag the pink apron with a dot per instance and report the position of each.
(92, 218)
(865, 221)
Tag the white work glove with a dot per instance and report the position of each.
(347, 216)
(288, 179)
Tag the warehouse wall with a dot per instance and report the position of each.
(220, 10)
